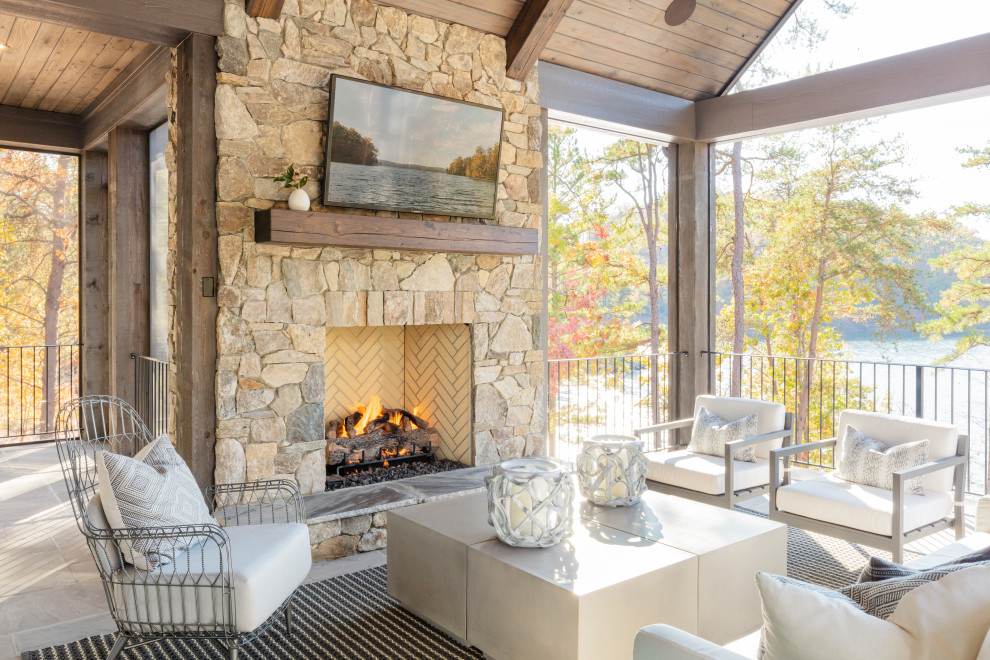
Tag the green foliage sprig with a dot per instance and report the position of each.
(291, 180)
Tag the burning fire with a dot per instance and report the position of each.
(369, 412)
(372, 411)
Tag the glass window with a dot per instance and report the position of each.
(158, 198)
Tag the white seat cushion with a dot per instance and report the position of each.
(269, 562)
(703, 473)
(964, 546)
(831, 499)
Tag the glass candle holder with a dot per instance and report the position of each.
(529, 502)
(611, 470)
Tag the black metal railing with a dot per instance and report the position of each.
(591, 396)
(35, 381)
(151, 392)
(817, 390)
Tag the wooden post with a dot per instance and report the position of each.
(128, 257)
(196, 256)
(94, 359)
(691, 266)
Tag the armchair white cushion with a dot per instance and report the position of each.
(893, 430)
(770, 416)
(269, 562)
(831, 499)
(703, 473)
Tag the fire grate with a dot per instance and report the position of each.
(421, 455)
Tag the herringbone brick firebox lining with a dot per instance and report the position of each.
(426, 367)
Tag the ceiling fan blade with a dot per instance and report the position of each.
(679, 11)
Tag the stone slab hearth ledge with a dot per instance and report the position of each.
(363, 500)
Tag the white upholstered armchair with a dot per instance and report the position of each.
(720, 480)
(878, 517)
(239, 572)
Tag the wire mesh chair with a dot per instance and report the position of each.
(192, 596)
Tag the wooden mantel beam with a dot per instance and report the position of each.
(368, 231)
(532, 29)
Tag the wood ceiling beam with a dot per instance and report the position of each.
(922, 78)
(136, 98)
(264, 8)
(583, 98)
(529, 34)
(21, 128)
(165, 22)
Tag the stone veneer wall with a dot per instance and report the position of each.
(276, 301)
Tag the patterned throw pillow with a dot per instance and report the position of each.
(711, 432)
(153, 489)
(878, 569)
(871, 462)
(881, 598)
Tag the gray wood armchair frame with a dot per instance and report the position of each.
(731, 495)
(780, 475)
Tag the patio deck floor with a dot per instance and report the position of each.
(50, 592)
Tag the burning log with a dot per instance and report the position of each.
(418, 421)
(350, 421)
(333, 429)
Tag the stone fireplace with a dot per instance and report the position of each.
(285, 309)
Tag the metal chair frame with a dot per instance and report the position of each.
(94, 423)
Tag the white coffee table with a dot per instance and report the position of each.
(666, 560)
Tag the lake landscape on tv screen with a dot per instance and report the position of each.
(393, 149)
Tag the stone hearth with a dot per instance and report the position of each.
(353, 519)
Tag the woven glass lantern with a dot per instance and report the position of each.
(612, 470)
(529, 502)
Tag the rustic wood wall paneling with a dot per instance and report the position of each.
(35, 129)
(196, 255)
(264, 8)
(691, 262)
(592, 100)
(93, 307)
(530, 32)
(142, 83)
(358, 231)
(128, 257)
(164, 22)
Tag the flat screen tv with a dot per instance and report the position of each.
(397, 150)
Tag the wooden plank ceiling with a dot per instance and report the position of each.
(628, 40)
(59, 69)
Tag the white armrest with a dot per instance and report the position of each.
(663, 642)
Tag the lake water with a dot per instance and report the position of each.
(916, 351)
(401, 187)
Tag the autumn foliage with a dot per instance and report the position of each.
(482, 165)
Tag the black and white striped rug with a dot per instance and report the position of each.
(350, 617)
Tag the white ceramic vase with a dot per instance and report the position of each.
(299, 200)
